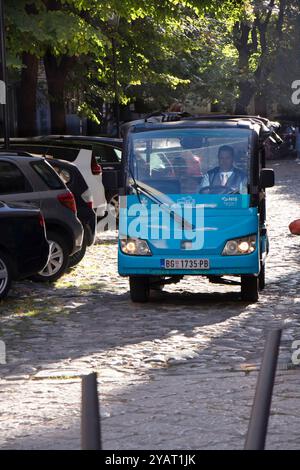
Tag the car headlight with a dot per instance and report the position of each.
(240, 246)
(135, 246)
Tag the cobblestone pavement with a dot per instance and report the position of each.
(176, 373)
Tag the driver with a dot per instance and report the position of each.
(226, 174)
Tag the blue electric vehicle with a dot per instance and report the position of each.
(193, 201)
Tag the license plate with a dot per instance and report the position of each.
(185, 263)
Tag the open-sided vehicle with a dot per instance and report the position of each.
(210, 221)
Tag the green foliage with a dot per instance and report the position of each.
(165, 50)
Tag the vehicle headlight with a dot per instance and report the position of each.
(240, 246)
(135, 246)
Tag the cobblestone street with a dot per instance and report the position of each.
(177, 373)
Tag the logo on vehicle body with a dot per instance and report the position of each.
(187, 201)
(229, 201)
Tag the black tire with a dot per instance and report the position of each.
(249, 288)
(77, 257)
(262, 278)
(5, 274)
(62, 259)
(139, 289)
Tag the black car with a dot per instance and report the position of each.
(75, 182)
(24, 249)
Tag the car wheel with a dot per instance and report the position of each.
(5, 275)
(139, 289)
(77, 257)
(249, 288)
(113, 204)
(58, 260)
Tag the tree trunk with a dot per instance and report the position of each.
(258, 86)
(245, 96)
(246, 89)
(56, 72)
(27, 96)
(261, 105)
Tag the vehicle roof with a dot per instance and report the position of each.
(27, 156)
(68, 139)
(261, 126)
(183, 120)
(196, 123)
(19, 158)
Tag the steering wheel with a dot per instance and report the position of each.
(218, 190)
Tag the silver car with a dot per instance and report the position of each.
(32, 180)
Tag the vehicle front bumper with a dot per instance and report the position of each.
(219, 265)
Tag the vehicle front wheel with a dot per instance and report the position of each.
(139, 289)
(58, 260)
(249, 288)
(5, 275)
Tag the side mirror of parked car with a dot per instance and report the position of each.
(267, 178)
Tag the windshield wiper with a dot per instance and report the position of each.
(145, 189)
(135, 184)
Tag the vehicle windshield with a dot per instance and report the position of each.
(191, 161)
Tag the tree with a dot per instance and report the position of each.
(257, 37)
(162, 46)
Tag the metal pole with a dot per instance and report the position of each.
(3, 77)
(117, 104)
(258, 426)
(90, 418)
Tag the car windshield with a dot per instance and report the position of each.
(189, 161)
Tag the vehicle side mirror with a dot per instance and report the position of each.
(267, 178)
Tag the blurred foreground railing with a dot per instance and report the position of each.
(258, 426)
(90, 415)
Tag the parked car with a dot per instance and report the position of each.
(24, 249)
(97, 158)
(33, 180)
(287, 132)
(75, 182)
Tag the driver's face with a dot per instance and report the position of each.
(225, 160)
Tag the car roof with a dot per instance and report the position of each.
(19, 158)
(29, 156)
(68, 139)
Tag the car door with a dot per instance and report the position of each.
(15, 186)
